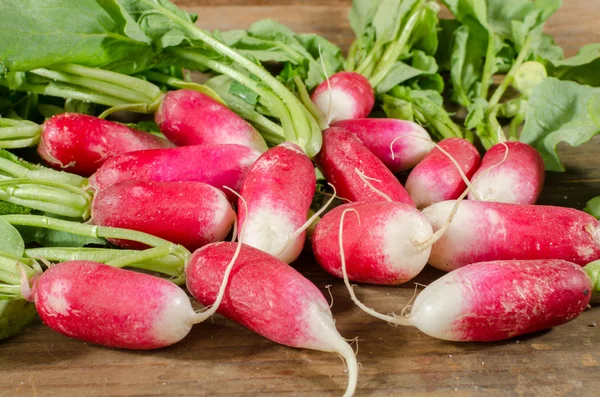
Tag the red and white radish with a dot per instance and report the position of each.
(191, 214)
(486, 231)
(436, 178)
(519, 179)
(382, 245)
(269, 297)
(112, 307)
(278, 191)
(217, 165)
(80, 143)
(399, 144)
(355, 172)
(345, 95)
(188, 117)
(498, 300)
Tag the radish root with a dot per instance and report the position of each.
(423, 245)
(366, 180)
(207, 312)
(393, 318)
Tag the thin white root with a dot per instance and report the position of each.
(293, 236)
(209, 311)
(407, 309)
(391, 319)
(366, 180)
(315, 215)
(328, 288)
(502, 141)
(234, 235)
(441, 149)
(345, 350)
(423, 245)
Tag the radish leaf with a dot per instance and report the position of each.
(561, 111)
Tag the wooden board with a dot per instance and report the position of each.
(220, 358)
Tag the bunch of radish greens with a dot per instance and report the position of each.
(148, 173)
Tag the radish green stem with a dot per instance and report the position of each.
(308, 103)
(83, 229)
(593, 271)
(277, 105)
(490, 61)
(63, 90)
(37, 173)
(96, 85)
(523, 54)
(393, 52)
(301, 127)
(132, 83)
(169, 265)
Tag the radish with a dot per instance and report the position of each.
(356, 173)
(346, 95)
(379, 135)
(278, 191)
(81, 143)
(269, 297)
(519, 179)
(192, 214)
(113, 307)
(485, 231)
(217, 165)
(492, 301)
(436, 178)
(188, 117)
(381, 245)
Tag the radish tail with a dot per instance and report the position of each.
(366, 180)
(345, 350)
(441, 149)
(394, 319)
(203, 315)
(423, 245)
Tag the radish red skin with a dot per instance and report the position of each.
(278, 191)
(519, 179)
(436, 178)
(217, 165)
(112, 307)
(263, 293)
(378, 249)
(342, 155)
(379, 134)
(188, 117)
(80, 143)
(191, 214)
(351, 97)
(498, 300)
(486, 231)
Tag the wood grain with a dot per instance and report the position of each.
(220, 358)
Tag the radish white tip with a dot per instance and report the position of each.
(347, 354)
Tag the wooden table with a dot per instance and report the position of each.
(222, 358)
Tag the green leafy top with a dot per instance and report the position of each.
(561, 111)
(36, 34)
